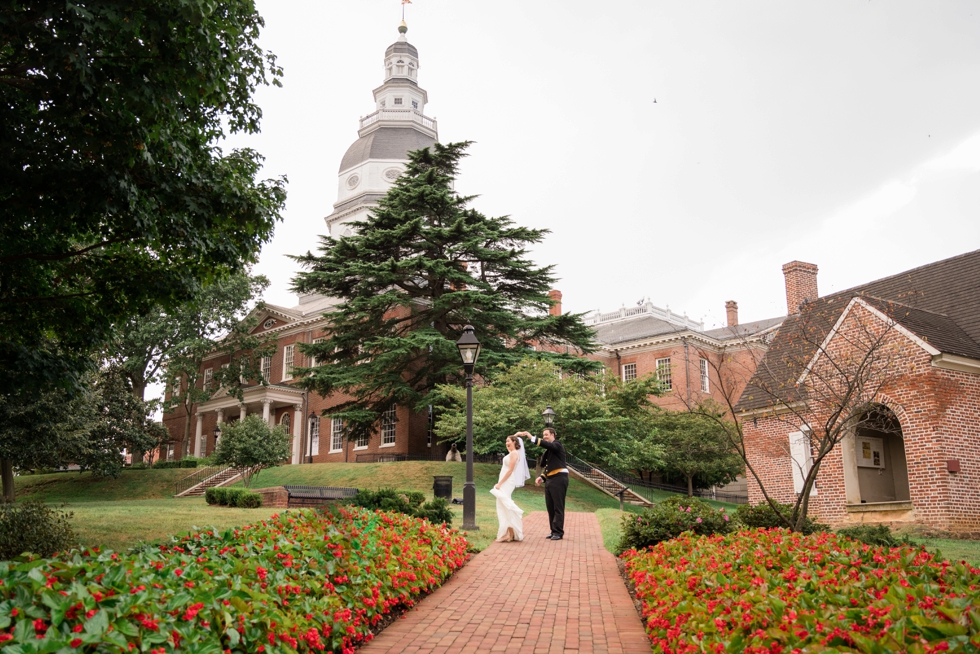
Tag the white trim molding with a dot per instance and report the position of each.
(956, 362)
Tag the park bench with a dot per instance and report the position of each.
(315, 495)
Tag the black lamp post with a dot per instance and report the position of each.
(309, 434)
(549, 416)
(469, 352)
(217, 435)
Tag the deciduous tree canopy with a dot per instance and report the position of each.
(114, 196)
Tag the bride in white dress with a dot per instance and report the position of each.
(513, 473)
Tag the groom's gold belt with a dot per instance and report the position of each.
(558, 472)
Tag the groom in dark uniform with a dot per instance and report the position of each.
(555, 480)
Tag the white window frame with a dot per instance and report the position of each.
(288, 356)
(336, 435)
(313, 361)
(362, 442)
(314, 434)
(284, 421)
(170, 451)
(801, 459)
(705, 382)
(208, 378)
(415, 104)
(389, 426)
(398, 101)
(629, 372)
(663, 373)
(267, 369)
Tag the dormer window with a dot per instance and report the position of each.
(398, 101)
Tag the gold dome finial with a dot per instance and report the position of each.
(402, 27)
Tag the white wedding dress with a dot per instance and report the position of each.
(508, 513)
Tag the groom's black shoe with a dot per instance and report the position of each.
(553, 537)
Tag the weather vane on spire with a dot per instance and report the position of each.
(405, 2)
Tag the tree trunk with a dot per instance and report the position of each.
(690, 485)
(7, 475)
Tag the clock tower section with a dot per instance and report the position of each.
(398, 125)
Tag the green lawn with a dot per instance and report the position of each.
(138, 505)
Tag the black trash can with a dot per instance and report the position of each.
(442, 486)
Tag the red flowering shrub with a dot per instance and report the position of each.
(297, 582)
(777, 591)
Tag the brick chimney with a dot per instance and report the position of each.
(731, 308)
(801, 284)
(556, 303)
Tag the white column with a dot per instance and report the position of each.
(221, 419)
(198, 435)
(297, 432)
(266, 410)
(243, 413)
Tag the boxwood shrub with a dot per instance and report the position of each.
(763, 516)
(33, 526)
(407, 502)
(669, 519)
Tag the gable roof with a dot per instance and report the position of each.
(938, 302)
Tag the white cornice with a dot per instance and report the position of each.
(956, 362)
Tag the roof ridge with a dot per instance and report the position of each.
(906, 272)
(903, 304)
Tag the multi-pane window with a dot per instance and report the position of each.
(361, 442)
(287, 362)
(704, 376)
(267, 369)
(314, 435)
(388, 420)
(208, 378)
(663, 373)
(629, 372)
(313, 361)
(336, 435)
(398, 100)
(415, 104)
(284, 421)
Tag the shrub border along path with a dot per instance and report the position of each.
(534, 596)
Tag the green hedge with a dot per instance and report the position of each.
(237, 497)
(181, 463)
(408, 502)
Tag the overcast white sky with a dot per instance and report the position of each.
(845, 134)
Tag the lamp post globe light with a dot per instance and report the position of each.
(217, 435)
(469, 352)
(549, 416)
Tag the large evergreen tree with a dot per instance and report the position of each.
(418, 270)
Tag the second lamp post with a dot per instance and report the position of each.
(469, 352)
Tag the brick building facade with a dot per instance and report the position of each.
(917, 462)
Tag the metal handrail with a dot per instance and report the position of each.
(636, 484)
(198, 477)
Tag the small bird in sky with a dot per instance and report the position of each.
(654, 101)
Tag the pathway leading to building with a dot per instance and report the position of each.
(535, 596)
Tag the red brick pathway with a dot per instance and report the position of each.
(534, 596)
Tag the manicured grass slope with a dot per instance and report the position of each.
(83, 487)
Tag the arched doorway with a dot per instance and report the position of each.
(877, 466)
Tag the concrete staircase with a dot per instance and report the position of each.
(599, 479)
(219, 478)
